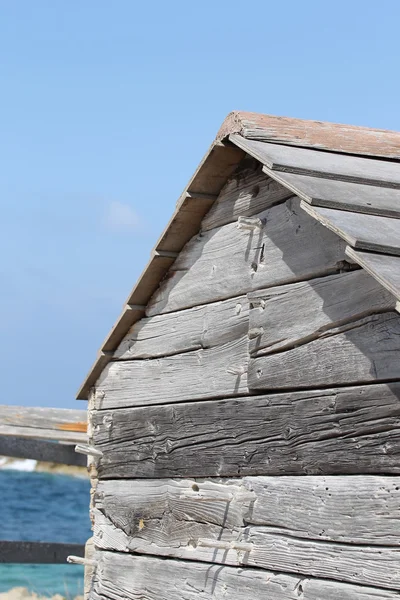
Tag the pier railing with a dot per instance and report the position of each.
(49, 435)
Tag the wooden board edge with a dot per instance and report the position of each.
(358, 257)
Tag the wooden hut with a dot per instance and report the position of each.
(244, 410)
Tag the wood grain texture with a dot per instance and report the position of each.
(341, 195)
(210, 373)
(134, 515)
(227, 262)
(322, 164)
(385, 269)
(357, 352)
(200, 327)
(19, 447)
(62, 424)
(247, 192)
(366, 232)
(254, 547)
(38, 552)
(336, 137)
(324, 432)
(293, 314)
(120, 576)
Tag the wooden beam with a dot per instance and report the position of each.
(38, 552)
(336, 137)
(328, 165)
(204, 326)
(67, 425)
(342, 195)
(363, 232)
(18, 447)
(384, 268)
(122, 575)
(229, 261)
(287, 316)
(338, 527)
(361, 351)
(349, 430)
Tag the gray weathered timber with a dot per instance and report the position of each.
(213, 372)
(357, 352)
(19, 447)
(364, 232)
(323, 432)
(246, 193)
(38, 552)
(343, 195)
(322, 164)
(252, 546)
(293, 314)
(227, 261)
(385, 269)
(120, 576)
(64, 424)
(136, 515)
(203, 326)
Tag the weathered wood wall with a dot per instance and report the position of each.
(251, 419)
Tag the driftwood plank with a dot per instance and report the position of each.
(353, 509)
(246, 193)
(324, 432)
(293, 314)
(357, 352)
(342, 195)
(19, 447)
(385, 269)
(213, 372)
(119, 576)
(366, 232)
(226, 262)
(322, 164)
(203, 326)
(38, 552)
(64, 424)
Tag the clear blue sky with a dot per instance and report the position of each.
(106, 109)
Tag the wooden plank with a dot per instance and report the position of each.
(385, 269)
(227, 262)
(185, 222)
(137, 515)
(181, 537)
(328, 165)
(18, 447)
(63, 424)
(210, 373)
(336, 137)
(121, 576)
(200, 327)
(357, 352)
(247, 192)
(342, 195)
(366, 232)
(289, 315)
(38, 552)
(324, 432)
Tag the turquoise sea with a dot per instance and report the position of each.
(43, 507)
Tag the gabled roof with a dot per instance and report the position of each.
(347, 177)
